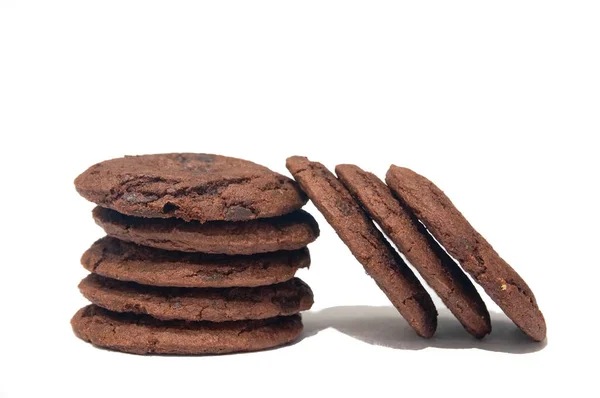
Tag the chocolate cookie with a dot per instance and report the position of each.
(289, 232)
(140, 334)
(435, 266)
(193, 304)
(366, 243)
(126, 261)
(191, 186)
(472, 251)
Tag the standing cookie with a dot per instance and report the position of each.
(435, 266)
(191, 186)
(472, 251)
(366, 243)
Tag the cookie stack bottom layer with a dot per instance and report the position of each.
(141, 334)
(149, 300)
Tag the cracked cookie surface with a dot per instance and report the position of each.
(366, 243)
(290, 232)
(141, 334)
(499, 280)
(435, 266)
(195, 304)
(127, 261)
(190, 186)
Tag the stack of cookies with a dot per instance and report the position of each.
(200, 257)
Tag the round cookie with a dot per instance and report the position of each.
(191, 186)
(127, 261)
(290, 232)
(472, 251)
(140, 334)
(192, 304)
(366, 243)
(435, 266)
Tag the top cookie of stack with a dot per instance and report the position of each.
(190, 186)
(193, 238)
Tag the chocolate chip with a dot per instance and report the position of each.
(169, 208)
(238, 213)
(134, 197)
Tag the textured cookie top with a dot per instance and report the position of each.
(366, 243)
(504, 285)
(190, 186)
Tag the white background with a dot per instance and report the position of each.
(497, 102)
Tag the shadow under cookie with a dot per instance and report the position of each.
(382, 326)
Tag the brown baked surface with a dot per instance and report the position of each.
(141, 334)
(438, 269)
(125, 261)
(366, 243)
(191, 186)
(473, 252)
(290, 232)
(197, 304)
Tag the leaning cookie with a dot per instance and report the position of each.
(191, 186)
(141, 334)
(366, 243)
(192, 304)
(290, 232)
(473, 252)
(125, 261)
(435, 266)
